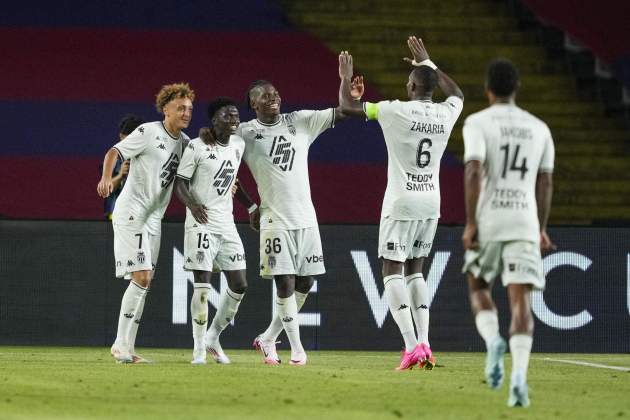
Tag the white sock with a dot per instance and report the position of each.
(130, 303)
(487, 323)
(287, 312)
(398, 301)
(228, 306)
(199, 313)
(133, 329)
(520, 347)
(275, 327)
(419, 297)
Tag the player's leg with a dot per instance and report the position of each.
(200, 250)
(484, 309)
(394, 251)
(199, 314)
(419, 298)
(286, 308)
(154, 243)
(231, 259)
(133, 260)
(302, 288)
(522, 271)
(229, 302)
(521, 338)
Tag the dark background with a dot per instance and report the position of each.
(57, 287)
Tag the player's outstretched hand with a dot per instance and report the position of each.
(105, 187)
(545, 242)
(199, 213)
(357, 88)
(254, 220)
(417, 49)
(345, 65)
(469, 237)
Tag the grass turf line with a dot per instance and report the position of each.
(85, 383)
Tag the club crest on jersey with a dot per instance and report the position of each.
(140, 257)
(271, 261)
(291, 128)
(224, 177)
(200, 257)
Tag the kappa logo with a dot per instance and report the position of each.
(136, 321)
(282, 153)
(130, 217)
(237, 257)
(188, 260)
(190, 146)
(271, 261)
(212, 156)
(140, 257)
(422, 307)
(130, 263)
(224, 177)
(315, 259)
(129, 315)
(258, 134)
(403, 306)
(141, 130)
(287, 319)
(199, 322)
(161, 146)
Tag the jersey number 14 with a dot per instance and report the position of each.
(523, 163)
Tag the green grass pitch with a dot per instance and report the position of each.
(85, 383)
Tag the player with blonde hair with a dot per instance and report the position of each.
(155, 150)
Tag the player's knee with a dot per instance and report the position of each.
(239, 287)
(142, 278)
(304, 284)
(391, 267)
(285, 286)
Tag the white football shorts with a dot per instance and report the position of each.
(209, 251)
(517, 262)
(297, 252)
(135, 249)
(401, 240)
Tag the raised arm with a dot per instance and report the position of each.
(544, 192)
(184, 195)
(350, 90)
(472, 188)
(421, 57)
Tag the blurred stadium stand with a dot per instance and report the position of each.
(71, 69)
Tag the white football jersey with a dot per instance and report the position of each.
(154, 155)
(416, 134)
(211, 170)
(277, 155)
(513, 146)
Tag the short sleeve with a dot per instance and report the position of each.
(382, 112)
(454, 105)
(548, 155)
(314, 122)
(188, 164)
(134, 144)
(474, 143)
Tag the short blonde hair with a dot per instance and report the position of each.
(173, 91)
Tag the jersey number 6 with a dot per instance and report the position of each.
(423, 157)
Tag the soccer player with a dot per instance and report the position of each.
(204, 183)
(126, 126)
(509, 158)
(155, 150)
(416, 133)
(276, 153)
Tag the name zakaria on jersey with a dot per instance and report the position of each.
(276, 154)
(416, 134)
(513, 146)
(211, 170)
(155, 156)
